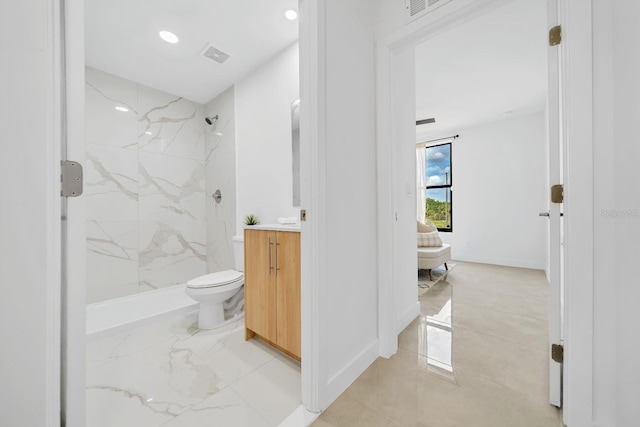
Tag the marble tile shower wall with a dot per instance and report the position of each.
(144, 187)
(220, 149)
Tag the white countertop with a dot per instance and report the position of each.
(275, 227)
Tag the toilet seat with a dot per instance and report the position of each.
(214, 280)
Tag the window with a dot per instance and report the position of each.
(439, 197)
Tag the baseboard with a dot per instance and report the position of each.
(407, 317)
(347, 375)
(501, 261)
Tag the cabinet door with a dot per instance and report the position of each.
(260, 282)
(288, 298)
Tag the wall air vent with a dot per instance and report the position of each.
(419, 8)
(214, 54)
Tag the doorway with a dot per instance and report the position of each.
(169, 182)
(401, 128)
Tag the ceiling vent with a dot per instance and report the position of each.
(419, 8)
(214, 54)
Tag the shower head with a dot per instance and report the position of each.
(211, 120)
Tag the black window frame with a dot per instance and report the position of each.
(446, 186)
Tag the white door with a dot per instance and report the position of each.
(555, 209)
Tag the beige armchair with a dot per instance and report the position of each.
(432, 257)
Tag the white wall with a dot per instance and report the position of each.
(390, 16)
(347, 220)
(499, 177)
(263, 139)
(144, 188)
(220, 163)
(617, 213)
(29, 216)
(626, 149)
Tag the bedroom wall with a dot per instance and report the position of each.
(499, 185)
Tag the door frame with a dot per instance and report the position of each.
(74, 237)
(577, 110)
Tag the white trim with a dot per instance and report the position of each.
(407, 317)
(74, 304)
(313, 177)
(346, 376)
(506, 262)
(387, 339)
(577, 111)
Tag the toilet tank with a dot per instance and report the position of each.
(238, 252)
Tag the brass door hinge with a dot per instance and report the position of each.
(555, 35)
(557, 353)
(557, 193)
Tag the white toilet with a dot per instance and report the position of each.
(212, 290)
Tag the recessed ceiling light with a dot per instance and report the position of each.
(290, 14)
(123, 109)
(149, 132)
(219, 133)
(169, 37)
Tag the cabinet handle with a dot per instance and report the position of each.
(277, 244)
(269, 249)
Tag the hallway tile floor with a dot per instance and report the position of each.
(169, 373)
(476, 356)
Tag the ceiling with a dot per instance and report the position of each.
(122, 39)
(487, 69)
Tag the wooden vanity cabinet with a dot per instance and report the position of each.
(272, 288)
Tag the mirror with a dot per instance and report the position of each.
(295, 150)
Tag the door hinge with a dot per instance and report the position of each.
(557, 193)
(557, 353)
(555, 35)
(71, 178)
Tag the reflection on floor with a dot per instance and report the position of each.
(169, 373)
(476, 356)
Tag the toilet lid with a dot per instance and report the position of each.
(212, 280)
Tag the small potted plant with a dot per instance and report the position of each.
(251, 220)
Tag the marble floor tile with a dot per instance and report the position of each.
(273, 389)
(225, 408)
(111, 407)
(169, 372)
(165, 379)
(475, 356)
(237, 357)
(108, 346)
